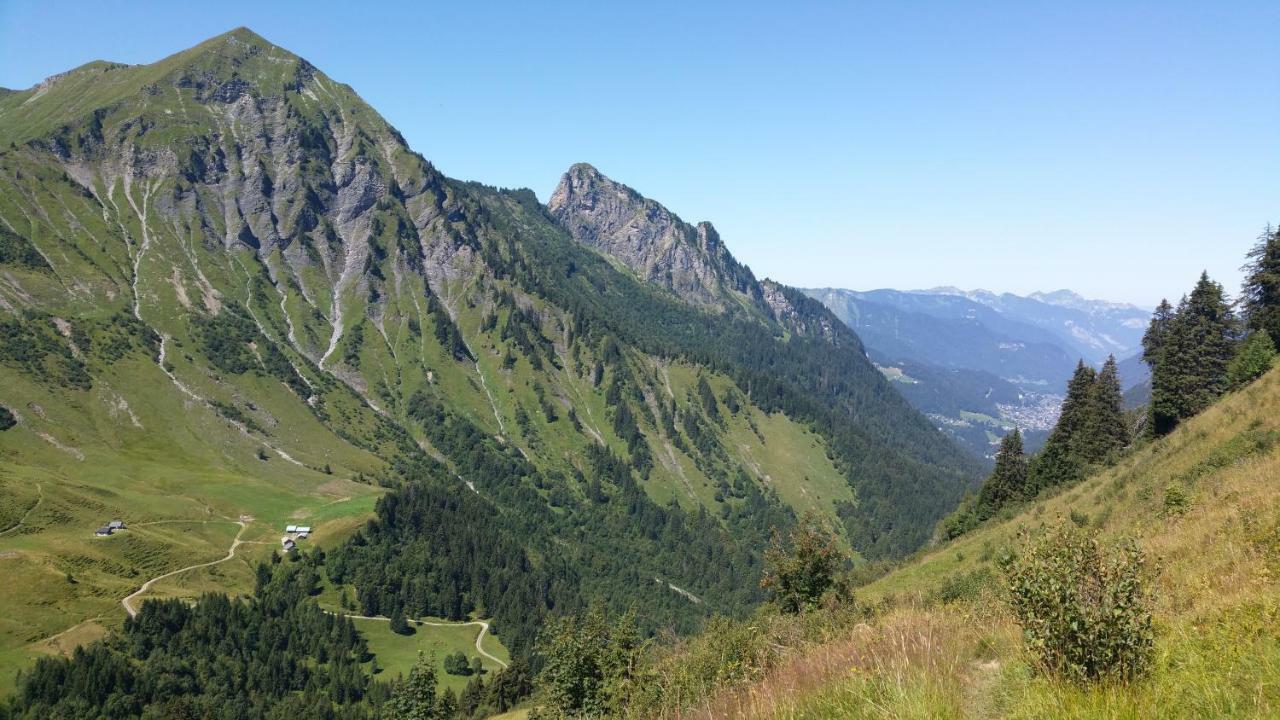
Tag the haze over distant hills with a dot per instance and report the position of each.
(979, 363)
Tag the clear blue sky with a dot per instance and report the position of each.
(1113, 148)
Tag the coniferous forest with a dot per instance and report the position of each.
(1197, 351)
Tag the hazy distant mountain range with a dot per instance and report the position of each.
(978, 363)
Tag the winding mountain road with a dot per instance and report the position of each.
(235, 543)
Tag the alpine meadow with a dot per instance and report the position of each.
(293, 425)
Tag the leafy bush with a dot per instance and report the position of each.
(588, 665)
(798, 573)
(1253, 359)
(963, 585)
(1084, 610)
(1176, 501)
(7, 420)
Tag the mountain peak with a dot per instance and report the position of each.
(583, 183)
(648, 238)
(241, 40)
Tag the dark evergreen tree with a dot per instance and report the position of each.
(399, 625)
(1062, 458)
(1164, 408)
(1072, 421)
(1153, 339)
(1191, 366)
(1261, 293)
(1008, 481)
(1104, 429)
(414, 698)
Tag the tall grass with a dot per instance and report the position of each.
(943, 643)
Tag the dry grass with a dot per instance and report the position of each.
(907, 655)
(1217, 609)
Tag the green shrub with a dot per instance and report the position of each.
(588, 665)
(1176, 501)
(1085, 611)
(963, 585)
(1252, 360)
(798, 572)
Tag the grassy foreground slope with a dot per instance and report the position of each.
(1204, 503)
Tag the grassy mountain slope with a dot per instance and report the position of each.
(1202, 503)
(229, 288)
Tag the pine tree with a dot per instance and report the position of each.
(1104, 430)
(399, 625)
(1070, 430)
(1165, 408)
(1191, 367)
(1008, 481)
(1061, 459)
(1153, 340)
(1261, 292)
(414, 698)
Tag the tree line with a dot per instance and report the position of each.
(1197, 351)
(1207, 345)
(273, 656)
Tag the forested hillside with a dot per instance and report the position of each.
(232, 297)
(1127, 569)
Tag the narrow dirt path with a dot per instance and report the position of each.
(235, 543)
(484, 629)
(23, 520)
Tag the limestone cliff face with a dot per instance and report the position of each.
(690, 260)
(237, 160)
(783, 302)
(650, 239)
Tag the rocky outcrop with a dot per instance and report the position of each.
(650, 239)
(782, 301)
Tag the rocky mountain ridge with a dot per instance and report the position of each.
(651, 240)
(242, 252)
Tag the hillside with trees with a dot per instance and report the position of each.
(1141, 582)
(235, 299)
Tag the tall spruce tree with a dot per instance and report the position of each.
(1074, 418)
(1260, 295)
(1008, 481)
(1060, 460)
(1153, 339)
(1165, 407)
(1191, 366)
(1104, 430)
(414, 698)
